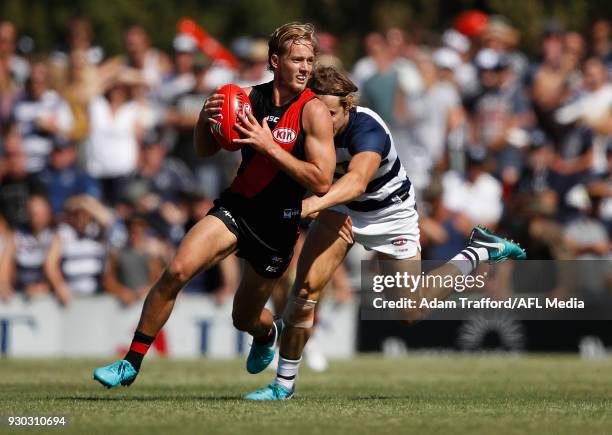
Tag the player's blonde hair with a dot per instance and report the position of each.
(287, 34)
(329, 80)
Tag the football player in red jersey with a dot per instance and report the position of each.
(288, 149)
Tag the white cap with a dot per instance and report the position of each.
(455, 40)
(446, 58)
(184, 43)
(487, 58)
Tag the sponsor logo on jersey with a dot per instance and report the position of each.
(284, 135)
(273, 119)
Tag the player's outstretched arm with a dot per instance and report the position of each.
(316, 173)
(361, 170)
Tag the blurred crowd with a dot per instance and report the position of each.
(99, 181)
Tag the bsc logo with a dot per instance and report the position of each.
(284, 135)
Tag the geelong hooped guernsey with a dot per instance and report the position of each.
(30, 253)
(269, 199)
(366, 131)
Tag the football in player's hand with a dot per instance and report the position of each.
(236, 103)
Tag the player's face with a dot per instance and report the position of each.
(295, 66)
(340, 116)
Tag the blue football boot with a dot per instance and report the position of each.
(499, 249)
(119, 372)
(262, 354)
(273, 391)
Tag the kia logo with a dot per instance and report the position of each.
(284, 135)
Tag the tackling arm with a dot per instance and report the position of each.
(361, 170)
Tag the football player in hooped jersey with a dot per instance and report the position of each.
(371, 202)
(287, 150)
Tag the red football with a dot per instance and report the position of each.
(236, 102)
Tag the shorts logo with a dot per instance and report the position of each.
(284, 135)
(288, 213)
(277, 260)
(229, 215)
(271, 269)
(399, 241)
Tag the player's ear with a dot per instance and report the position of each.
(274, 60)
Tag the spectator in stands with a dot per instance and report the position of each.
(133, 269)
(591, 117)
(442, 232)
(503, 38)
(548, 81)
(63, 178)
(477, 197)
(253, 56)
(80, 38)
(16, 184)
(78, 252)
(42, 116)
(601, 43)
(465, 73)
(166, 177)
(112, 146)
(182, 79)
(18, 67)
(388, 80)
(499, 113)
(9, 92)
(153, 64)
(22, 259)
(422, 141)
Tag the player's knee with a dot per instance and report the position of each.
(306, 292)
(299, 312)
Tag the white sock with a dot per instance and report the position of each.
(287, 372)
(469, 259)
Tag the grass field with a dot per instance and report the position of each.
(421, 395)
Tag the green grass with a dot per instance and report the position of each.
(368, 395)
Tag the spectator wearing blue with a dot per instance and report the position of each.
(16, 185)
(63, 178)
(22, 259)
(78, 252)
(41, 115)
(499, 113)
(163, 176)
